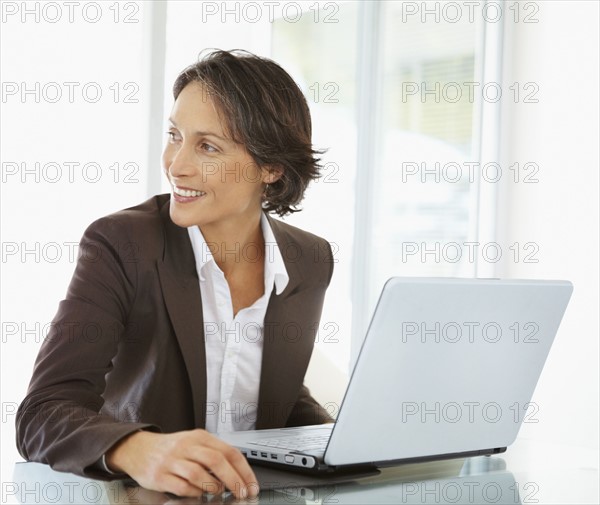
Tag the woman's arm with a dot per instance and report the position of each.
(59, 421)
(307, 411)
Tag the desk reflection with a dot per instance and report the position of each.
(477, 480)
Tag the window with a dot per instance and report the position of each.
(320, 52)
(403, 132)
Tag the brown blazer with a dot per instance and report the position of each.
(125, 350)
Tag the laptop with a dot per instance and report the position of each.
(447, 369)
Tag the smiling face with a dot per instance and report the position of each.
(214, 180)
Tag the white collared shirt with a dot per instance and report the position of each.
(234, 345)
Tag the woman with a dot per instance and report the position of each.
(192, 313)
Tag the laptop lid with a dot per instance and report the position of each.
(447, 366)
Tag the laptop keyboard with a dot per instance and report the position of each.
(306, 442)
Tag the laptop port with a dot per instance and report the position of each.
(263, 454)
(304, 461)
(254, 453)
(273, 456)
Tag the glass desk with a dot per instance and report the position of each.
(529, 472)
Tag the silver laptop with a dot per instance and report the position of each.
(447, 369)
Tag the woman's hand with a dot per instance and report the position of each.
(186, 463)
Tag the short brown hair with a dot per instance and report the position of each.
(265, 110)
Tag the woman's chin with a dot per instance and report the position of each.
(181, 218)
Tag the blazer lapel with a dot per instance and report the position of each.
(181, 292)
(283, 363)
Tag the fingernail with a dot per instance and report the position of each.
(254, 489)
(244, 492)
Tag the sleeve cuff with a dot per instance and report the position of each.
(104, 466)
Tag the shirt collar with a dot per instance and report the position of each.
(274, 265)
(275, 271)
(202, 253)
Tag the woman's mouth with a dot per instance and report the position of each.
(185, 195)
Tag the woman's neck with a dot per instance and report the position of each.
(235, 244)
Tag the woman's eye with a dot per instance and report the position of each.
(171, 136)
(208, 148)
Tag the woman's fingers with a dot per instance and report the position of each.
(179, 486)
(225, 468)
(233, 456)
(197, 475)
(186, 463)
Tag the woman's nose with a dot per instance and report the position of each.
(179, 163)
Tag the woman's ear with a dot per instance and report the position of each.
(272, 173)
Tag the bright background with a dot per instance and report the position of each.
(386, 87)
